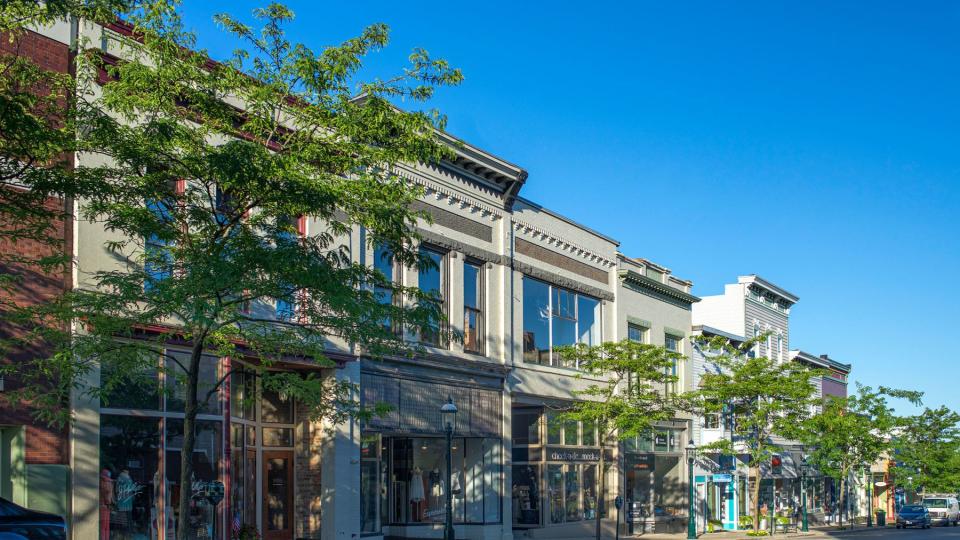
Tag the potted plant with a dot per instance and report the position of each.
(714, 525)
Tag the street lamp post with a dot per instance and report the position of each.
(448, 415)
(803, 494)
(691, 512)
(869, 476)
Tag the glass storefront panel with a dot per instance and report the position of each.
(526, 495)
(554, 428)
(668, 487)
(176, 386)
(555, 496)
(572, 495)
(206, 460)
(417, 490)
(590, 490)
(129, 476)
(526, 426)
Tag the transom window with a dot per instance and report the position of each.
(553, 317)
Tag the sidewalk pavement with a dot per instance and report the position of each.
(829, 531)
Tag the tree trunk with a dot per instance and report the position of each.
(602, 489)
(843, 499)
(189, 440)
(756, 497)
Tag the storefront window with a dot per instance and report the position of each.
(206, 459)
(135, 391)
(419, 485)
(570, 433)
(129, 476)
(526, 495)
(572, 487)
(590, 487)
(668, 488)
(526, 426)
(588, 435)
(554, 428)
(555, 492)
(243, 395)
(275, 408)
(176, 383)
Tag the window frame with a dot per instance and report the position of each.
(551, 360)
(478, 310)
(443, 271)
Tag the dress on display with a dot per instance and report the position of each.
(416, 485)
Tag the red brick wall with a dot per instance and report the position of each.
(44, 445)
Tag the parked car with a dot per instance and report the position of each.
(19, 523)
(943, 510)
(913, 515)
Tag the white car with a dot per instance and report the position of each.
(943, 510)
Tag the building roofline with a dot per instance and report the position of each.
(822, 360)
(651, 284)
(775, 289)
(704, 329)
(563, 218)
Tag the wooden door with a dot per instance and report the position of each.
(278, 495)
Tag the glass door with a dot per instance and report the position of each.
(278, 495)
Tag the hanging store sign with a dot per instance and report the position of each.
(720, 478)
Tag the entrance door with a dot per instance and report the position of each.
(278, 495)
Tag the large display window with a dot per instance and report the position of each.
(141, 433)
(403, 481)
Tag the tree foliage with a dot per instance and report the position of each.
(851, 432)
(927, 449)
(633, 394)
(765, 398)
(198, 172)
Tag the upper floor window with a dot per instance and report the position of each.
(553, 317)
(711, 421)
(432, 281)
(158, 262)
(472, 307)
(780, 346)
(383, 262)
(672, 343)
(285, 304)
(636, 333)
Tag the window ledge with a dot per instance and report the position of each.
(568, 372)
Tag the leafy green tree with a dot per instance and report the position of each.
(201, 171)
(632, 396)
(765, 398)
(927, 448)
(852, 432)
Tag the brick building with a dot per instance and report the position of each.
(33, 457)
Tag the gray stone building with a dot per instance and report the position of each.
(654, 307)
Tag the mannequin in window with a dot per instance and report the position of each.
(436, 490)
(106, 502)
(417, 495)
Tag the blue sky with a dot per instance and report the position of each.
(813, 143)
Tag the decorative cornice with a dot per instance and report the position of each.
(561, 244)
(642, 281)
(452, 198)
(561, 281)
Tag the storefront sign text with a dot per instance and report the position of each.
(572, 454)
